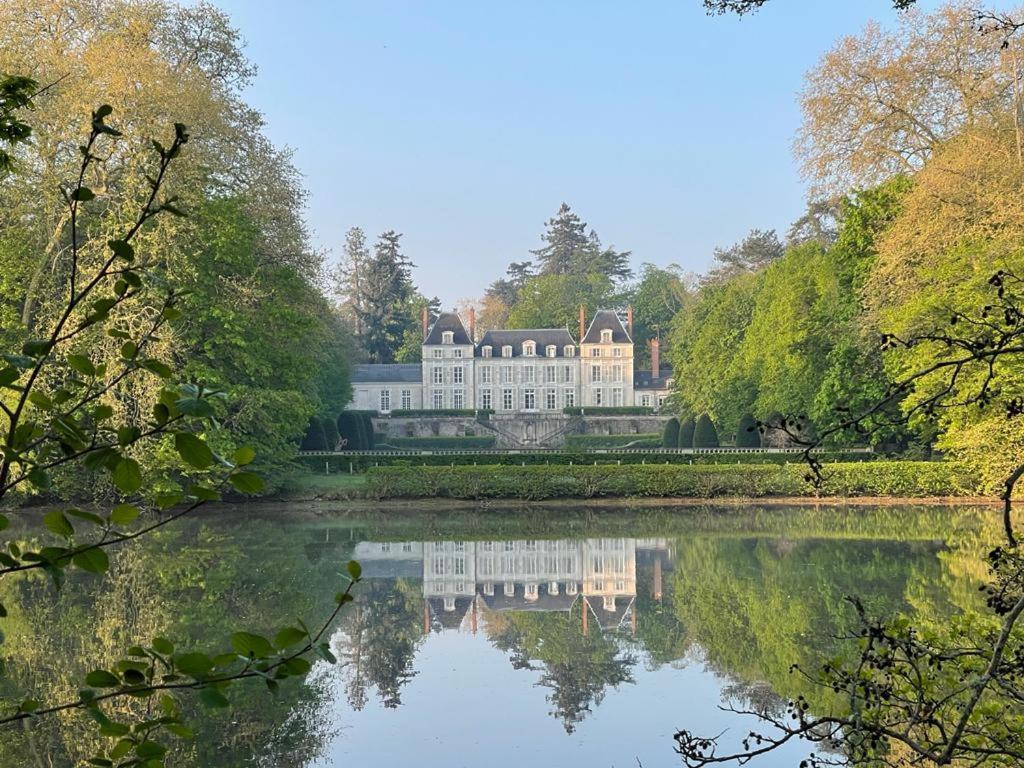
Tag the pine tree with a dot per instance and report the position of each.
(686, 430)
(704, 434)
(350, 277)
(571, 250)
(386, 312)
(670, 436)
(747, 435)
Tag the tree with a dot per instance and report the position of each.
(385, 315)
(506, 290)
(747, 435)
(553, 301)
(570, 249)
(749, 6)
(687, 427)
(670, 434)
(820, 224)
(16, 93)
(315, 438)
(350, 278)
(704, 434)
(656, 299)
(755, 252)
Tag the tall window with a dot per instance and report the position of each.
(437, 375)
(485, 374)
(529, 374)
(645, 401)
(406, 399)
(457, 375)
(529, 399)
(598, 397)
(385, 400)
(595, 374)
(438, 399)
(485, 400)
(506, 374)
(507, 399)
(570, 398)
(616, 373)
(549, 374)
(549, 400)
(459, 399)
(616, 397)
(567, 373)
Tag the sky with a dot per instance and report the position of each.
(464, 125)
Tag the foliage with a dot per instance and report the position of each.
(687, 427)
(315, 438)
(704, 433)
(670, 434)
(16, 93)
(591, 442)
(747, 435)
(457, 443)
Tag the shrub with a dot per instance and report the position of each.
(352, 428)
(704, 433)
(747, 435)
(686, 433)
(314, 439)
(670, 435)
(331, 435)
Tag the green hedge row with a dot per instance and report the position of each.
(343, 463)
(906, 479)
(458, 443)
(585, 442)
(621, 410)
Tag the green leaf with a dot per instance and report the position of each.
(114, 729)
(193, 664)
(355, 570)
(203, 493)
(127, 435)
(82, 194)
(246, 482)
(101, 678)
(40, 478)
(121, 249)
(40, 399)
(251, 645)
(243, 455)
(172, 313)
(9, 375)
(288, 637)
(28, 705)
(89, 516)
(57, 522)
(195, 406)
(168, 499)
(213, 698)
(163, 645)
(123, 514)
(93, 560)
(129, 349)
(4, 522)
(297, 666)
(150, 750)
(324, 650)
(36, 347)
(82, 364)
(193, 450)
(127, 475)
(102, 412)
(182, 731)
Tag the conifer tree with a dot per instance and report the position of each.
(704, 434)
(385, 315)
(686, 429)
(747, 435)
(670, 436)
(350, 277)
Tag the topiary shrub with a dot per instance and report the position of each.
(704, 433)
(369, 436)
(670, 435)
(747, 435)
(314, 439)
(348, 428)
(331, 433)
(686, 432)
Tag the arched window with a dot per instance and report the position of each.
(506, 351)
(551, 350)
(447, 337)
(529, 348)
(606, 336)
(485, 351)
(569, 350)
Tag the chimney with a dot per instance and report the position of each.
(656, 357)
(472, 324)
(629, 320)
(426, 322)
(583, 322)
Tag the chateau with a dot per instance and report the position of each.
(515, 371)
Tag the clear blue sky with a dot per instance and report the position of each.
(464, 124)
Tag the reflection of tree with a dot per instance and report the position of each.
(383, 631)
(577, 667)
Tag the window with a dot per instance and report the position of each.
(549, 400)
(459, 399)
(645, 401)
(460, 566)
(595, 374)
(507, 399)
(598, 397)
(437, 375)
(449, 603)
(448, 337)
(529, 348)
(616, 397)
(529, 374)
(489, 588)
(570, 588)
(661, 400)
(486, 376)
(606, 336)
(616, 352)
(595, 352)
(549, 374)
(616, 373)
(486, 351)
(458, 352)
(458, 376)
(529, 399)
(570, 398)
(385, 400)
(438, 399)
(506, 374)
(531, 592)
(569, 351)
(553, 588)
(506, 351)
(567, 373)
(509, 589)
(406, 399)
(550, 350)
(485, 400)
(438, 353)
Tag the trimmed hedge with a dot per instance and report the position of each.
(686, 428)
(315, 438)
(356, 428)
(589, 442)
(670, 434)
(891, 478)
(450, 443)
(620, 410)
(747, 434)
(704, 434)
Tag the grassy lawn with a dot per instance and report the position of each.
(308, 484)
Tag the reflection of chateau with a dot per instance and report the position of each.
(461, 579)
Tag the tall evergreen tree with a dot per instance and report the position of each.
(385, 315)
(350, 277)
(752, 254)
(569, 249)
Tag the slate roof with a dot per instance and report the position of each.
(442, 619)
(646, 380)
(606, 319)
(393, 372)
(544, 337)
(448, 321)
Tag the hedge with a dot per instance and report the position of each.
(315, 439)
(589, 442)
(537, 482)
(447, 443)
(704, 434)
(621, 410)
(747, 434)
(670, 434)
(686, 428)
(356, 427)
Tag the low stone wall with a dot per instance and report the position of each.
(621, 425)
(430, 426)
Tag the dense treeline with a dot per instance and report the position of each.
(240, 250)
(925, 123)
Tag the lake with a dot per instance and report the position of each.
(545, 637)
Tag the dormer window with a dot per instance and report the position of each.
(569, 351)
(486, 351)
(506, 351)
(551, 350)
(606, 336)
(529, 349)
(448, 337)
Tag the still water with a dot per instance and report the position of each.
(556, 637)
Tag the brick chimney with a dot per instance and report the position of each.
(583, 322)
(629, 320)
(472, 324)
(656, 357)
(426, 322)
